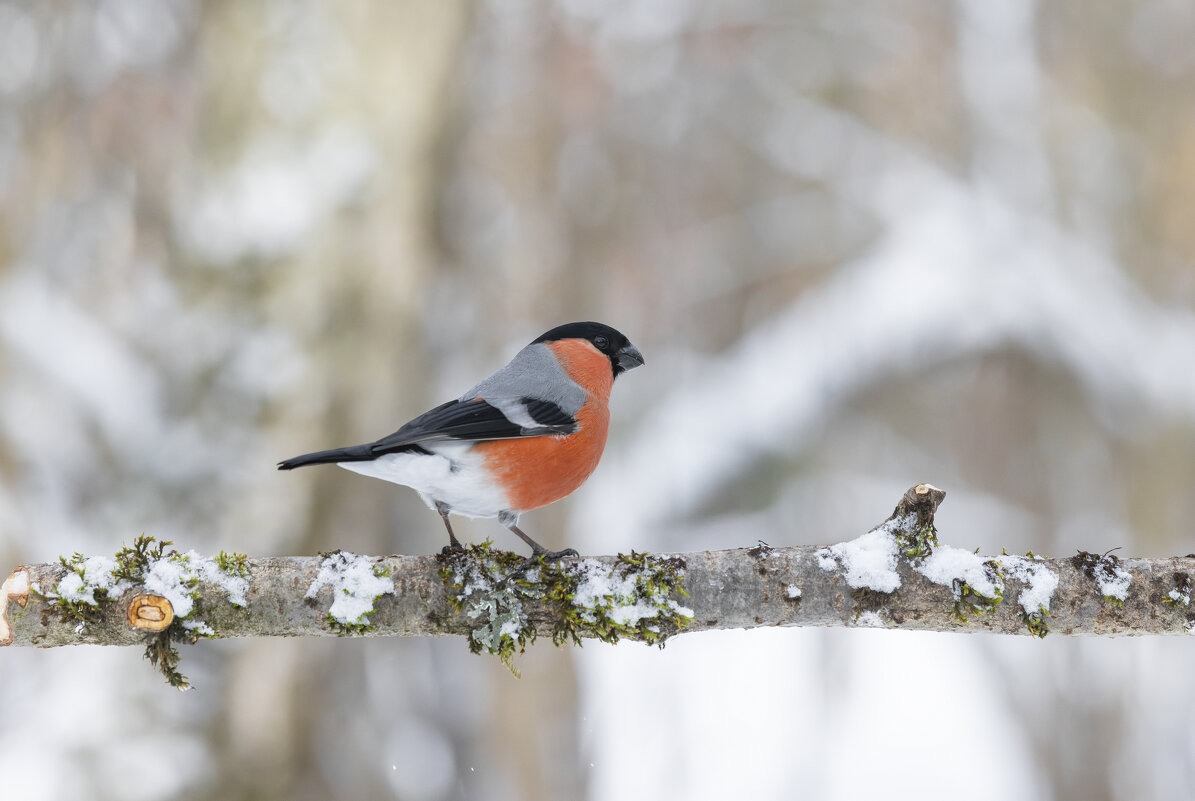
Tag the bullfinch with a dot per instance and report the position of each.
(526, 436)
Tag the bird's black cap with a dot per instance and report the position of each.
(610, 341)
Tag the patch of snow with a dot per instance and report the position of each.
(762, 550)
(1112, 579)
(870, 620)
(895, 524)
(869, 561)
(234, 586)
(793, 592)
(946, 564)
(17, 584)
(354, 586)
(1040, 582)
(176, 579)
(97, 575)
(598, 586)
(1180, 598)
(71, 588)
(511, 628)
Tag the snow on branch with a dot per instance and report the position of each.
(897, 576)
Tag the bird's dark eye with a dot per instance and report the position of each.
(601, 343)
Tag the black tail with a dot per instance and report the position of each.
(357, 453)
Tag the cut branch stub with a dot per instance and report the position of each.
(150, 613)
(912, 521)
(923, 501)
(15, 588)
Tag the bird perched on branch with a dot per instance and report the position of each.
(526, 436)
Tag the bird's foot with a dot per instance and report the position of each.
(448, 550)
(553, 556)
(541, 556)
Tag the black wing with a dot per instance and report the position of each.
(550, 415)
(475, 420)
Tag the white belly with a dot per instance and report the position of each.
(452, 475)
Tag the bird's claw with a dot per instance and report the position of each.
(554, 556)
(534, 559)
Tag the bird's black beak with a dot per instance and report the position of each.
(628, 357)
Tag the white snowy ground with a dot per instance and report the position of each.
(848, 714)
(775, 714)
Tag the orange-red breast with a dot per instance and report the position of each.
(526, 436)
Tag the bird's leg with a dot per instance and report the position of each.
(510, 520)
(538, 550)
(453, 543)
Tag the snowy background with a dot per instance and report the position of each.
(860, 245)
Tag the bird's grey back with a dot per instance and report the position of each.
(534, 372)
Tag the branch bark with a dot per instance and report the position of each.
(888, 578)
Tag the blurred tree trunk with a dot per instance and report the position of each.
(353, 296)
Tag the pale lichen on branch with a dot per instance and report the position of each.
(633, 598)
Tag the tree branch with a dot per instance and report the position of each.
(895, 576)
